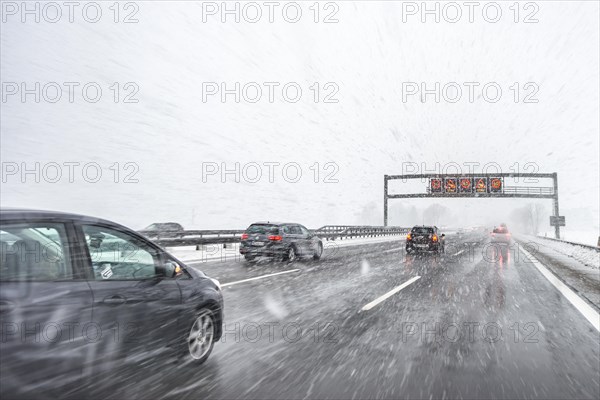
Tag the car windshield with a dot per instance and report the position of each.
(265, 229)
(422, 231)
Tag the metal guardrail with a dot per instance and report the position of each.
(332, 232)
(193, 237)
(328, 232)
(587, 246)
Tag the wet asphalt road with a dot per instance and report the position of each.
(474, 325)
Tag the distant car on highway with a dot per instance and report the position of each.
(285, 241)
(77, 292)
(425, 238)
(501, 235)
(164, 227)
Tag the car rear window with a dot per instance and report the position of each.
(500, 230)
(422, 231)
(263, 228)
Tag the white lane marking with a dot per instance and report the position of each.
(460, 252)
(584, 308)
(389, 294)
(259, 277)
(394, 249)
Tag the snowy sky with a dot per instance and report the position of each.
(177, 51)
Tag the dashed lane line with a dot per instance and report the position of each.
(259, 277)
(389, 294)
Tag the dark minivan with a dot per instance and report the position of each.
(285, 241)
(425, 238)
(80, 295)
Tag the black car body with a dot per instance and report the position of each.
(425, 238)
(78, 295)
(287, 241)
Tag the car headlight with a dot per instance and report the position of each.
(216, 282)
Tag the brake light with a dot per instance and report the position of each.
(244, 236)
(408, 237)
(275, 238)
(434, 238)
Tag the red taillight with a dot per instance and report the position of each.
(244, 236)
(434, 238)
(408, 237)
(275, 238)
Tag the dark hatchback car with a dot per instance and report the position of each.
(425, 238)
(285, 241)
(80, 295)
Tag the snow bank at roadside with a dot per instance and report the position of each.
(585, 255)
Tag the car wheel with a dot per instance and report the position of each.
(200, 338)
(249, 258)
(318, 252)
(291, 255)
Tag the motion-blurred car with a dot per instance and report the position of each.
(163, 229)
(285, 241)
(79, 294)
(425, 238)
(501, 235)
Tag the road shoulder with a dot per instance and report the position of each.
(581, 277)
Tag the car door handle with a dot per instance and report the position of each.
(6, 307)
(114, 300)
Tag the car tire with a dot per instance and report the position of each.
(291, 255)
(249, 258)
(200, 338)
(318, 252)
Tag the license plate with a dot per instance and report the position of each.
(421, 246)
(258, 243)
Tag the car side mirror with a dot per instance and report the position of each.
(169, 270)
